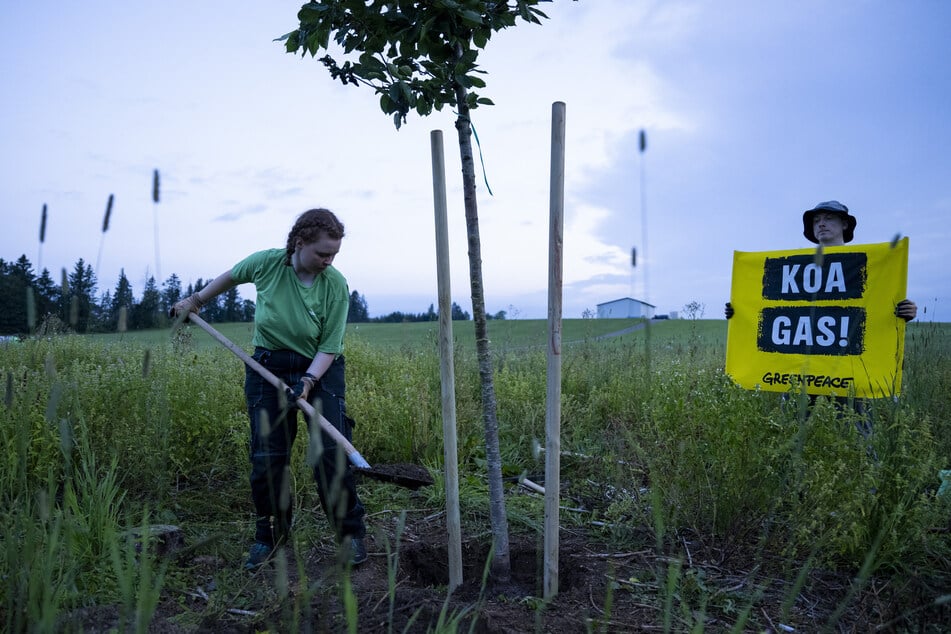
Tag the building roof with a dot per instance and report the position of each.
(626, 299)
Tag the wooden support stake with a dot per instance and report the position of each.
(553, 407)
(447, 377)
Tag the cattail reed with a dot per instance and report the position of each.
(43, 225)
(49, 366)
(105, 228)
(73, 301)
(43, 506)
(66, 441)
(39, 257)
(56, 395)
(155, 200)
(64, 283)
(105, 221)
(30, 309)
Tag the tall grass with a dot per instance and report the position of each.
(108, 434)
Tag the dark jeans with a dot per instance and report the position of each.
(273, 430)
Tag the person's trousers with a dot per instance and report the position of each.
(273, 431)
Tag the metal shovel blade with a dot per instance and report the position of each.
(409, 476)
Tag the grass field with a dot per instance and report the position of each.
(690, 504)
(417, 335)
(521, 335)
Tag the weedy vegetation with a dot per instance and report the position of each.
(717, 508)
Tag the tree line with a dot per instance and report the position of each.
(32, 303)
(38, 303)
(359, 313)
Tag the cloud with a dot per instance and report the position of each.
(238, 214)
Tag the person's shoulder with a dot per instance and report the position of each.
(271, 254)
(266, 256)
(256, 263)
(333, 276)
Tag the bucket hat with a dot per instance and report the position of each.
(831, 206)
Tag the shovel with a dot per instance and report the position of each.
(408, 476)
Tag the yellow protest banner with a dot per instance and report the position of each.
(819, 319)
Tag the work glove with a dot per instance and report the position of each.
(191, 304)
(728, 310)
(302, 388)
(906, 309)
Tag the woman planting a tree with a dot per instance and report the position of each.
(299, 322)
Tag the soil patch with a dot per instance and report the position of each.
(402, 587)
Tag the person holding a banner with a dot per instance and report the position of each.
(829, 224)
(818, 320)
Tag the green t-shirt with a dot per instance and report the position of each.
(289, 315)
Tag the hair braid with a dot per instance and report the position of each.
(309, 226)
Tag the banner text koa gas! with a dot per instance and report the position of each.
(821, 320)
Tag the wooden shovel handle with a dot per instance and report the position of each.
(352, 454)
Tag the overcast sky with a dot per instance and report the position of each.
(754, 111)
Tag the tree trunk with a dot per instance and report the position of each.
(500, 568)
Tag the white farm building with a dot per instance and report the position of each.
(625, 308)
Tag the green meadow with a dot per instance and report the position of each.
(750, 511)
(412, 335)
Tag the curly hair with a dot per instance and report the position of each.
(309, 226)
